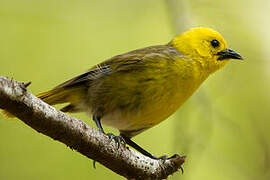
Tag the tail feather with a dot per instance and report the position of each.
(7, 114)
(54, 96)
(62, 95)
(57, 96)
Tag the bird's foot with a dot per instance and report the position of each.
(165, 157)
(118, 139)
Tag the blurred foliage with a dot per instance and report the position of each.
(223, 128)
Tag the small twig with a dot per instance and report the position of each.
(27, 84)
(79, 136)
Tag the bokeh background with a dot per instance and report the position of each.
(224, 129)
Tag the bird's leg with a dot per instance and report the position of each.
(144, 152)
(118, 139)
(137, 147)
(126, 140)
(98, 124)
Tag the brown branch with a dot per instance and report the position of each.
(79, 136)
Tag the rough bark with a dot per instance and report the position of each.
(76, 134)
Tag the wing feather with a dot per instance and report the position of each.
(133, 60)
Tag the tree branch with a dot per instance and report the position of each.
(79, 136)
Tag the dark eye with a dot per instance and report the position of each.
(215, 43)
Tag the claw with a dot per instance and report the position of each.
(174, 156)
(118, 139)
(165, 157)
(182, 170)
(94, 164)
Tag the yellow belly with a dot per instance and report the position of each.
(152, 114)
(160, 101)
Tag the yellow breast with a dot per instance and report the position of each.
(159, 103)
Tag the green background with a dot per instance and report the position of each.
(223, 129)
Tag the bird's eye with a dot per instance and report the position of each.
(215, 43)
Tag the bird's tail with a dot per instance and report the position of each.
(6, 114)
(55, 96)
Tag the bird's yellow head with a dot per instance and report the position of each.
(205, 46)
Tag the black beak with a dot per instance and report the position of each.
(228, 54)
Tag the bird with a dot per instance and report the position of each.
(137, 90)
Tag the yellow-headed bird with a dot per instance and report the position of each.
(135, 91)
